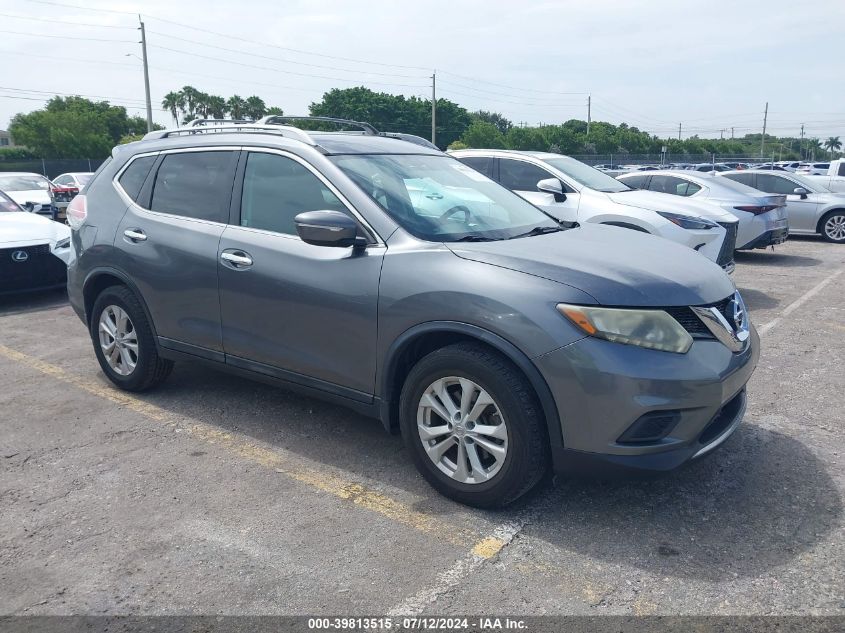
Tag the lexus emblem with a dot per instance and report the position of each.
(20, 256)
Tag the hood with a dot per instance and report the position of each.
(22, 228)
(656, 201)
(616, 266)
(38, 196)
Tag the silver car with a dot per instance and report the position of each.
(812, 208)
(393, 279)
(762, 217)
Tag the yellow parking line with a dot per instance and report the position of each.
(279, 460)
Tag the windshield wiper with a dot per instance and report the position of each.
(539, 230)
(476, 238)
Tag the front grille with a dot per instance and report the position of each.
(726, 254)
(691, 323)
(41, 269)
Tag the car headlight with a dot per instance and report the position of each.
(688, 222)
(654, 329)
(63, 243)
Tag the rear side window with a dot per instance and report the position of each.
(194, 185)
(518, 175)
(277, 189)
(775, 184)
(745, 179)
(481, 164)
(133, 178)
(636, 182)
(673, 185)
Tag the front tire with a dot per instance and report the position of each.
(473, 426)
(832, 226)
(123, 341)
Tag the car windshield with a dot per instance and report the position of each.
(439, 199)
(808, 184)
(585, 175)
(83, 179)
(23, 182)
(7, 204)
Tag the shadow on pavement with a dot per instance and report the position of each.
(757, 300)
(773, 258)
(32, 301)
(755, 504)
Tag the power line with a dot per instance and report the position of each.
(76, 6)
(68, 37)
(66, 23)
(278, 70)
(476, 79)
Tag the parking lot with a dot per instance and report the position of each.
(214, 494)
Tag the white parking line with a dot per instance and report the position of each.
(792, 307)
(484, 550)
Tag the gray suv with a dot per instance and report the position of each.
(391, 278)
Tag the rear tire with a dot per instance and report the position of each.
(498, 434)
(124, 343)
(832, 226)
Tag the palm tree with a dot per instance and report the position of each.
(216, 107)
(255, 107)
(237, 106)
(175, 102)
(202, 105)
(833, 144)
(191, 96)
(275, 110)
(813, 145)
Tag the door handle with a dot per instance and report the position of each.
(135, 235)
(236, 259)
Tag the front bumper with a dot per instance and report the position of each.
(602, 389)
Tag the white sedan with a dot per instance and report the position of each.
(572, 191)
(34, 251)
(762, 217)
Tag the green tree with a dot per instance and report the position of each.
(483, 135)
(254, 108)
(499, 120)
(175, 103)
(833, 144)
(216, 107)
(275, 110)
(73, 127)
(191, 97)
(236, 106)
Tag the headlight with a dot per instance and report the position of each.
(653, 329)
(687, 221)
(63, 243)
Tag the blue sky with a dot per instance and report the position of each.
(708, 65)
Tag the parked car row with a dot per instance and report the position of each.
(37, 194)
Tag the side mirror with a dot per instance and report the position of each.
(800, 191)
(328, 228)
(552, 186)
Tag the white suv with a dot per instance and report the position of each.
(572, 191)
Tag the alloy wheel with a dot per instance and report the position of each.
(834, 228)
(118, 340)
(462, 430)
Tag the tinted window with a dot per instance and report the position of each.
(673, 185)
(518, 175)
(63, 180)
(133, 178)
(481, 164)
(195, 185)
(745, 179)
(277, 189)
(774, 184)
(637, 182)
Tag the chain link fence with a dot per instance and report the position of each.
(51, 167)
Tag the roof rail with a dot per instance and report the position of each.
(287, 131)
(280, 119)
(197, 122)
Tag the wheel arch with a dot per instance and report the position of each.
(424, 338)
(101, 278)
(824, 216)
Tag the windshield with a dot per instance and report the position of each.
(810, 185)
(83, 179)
(24, 182)
(439, 199)
(7, 204)
(585, 175)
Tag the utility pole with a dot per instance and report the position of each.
(722, 135)
(146, 76)
(589, 98)
(801, 146)
(433, 107)
(732, 133)
(763, 138)
(679, 131)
